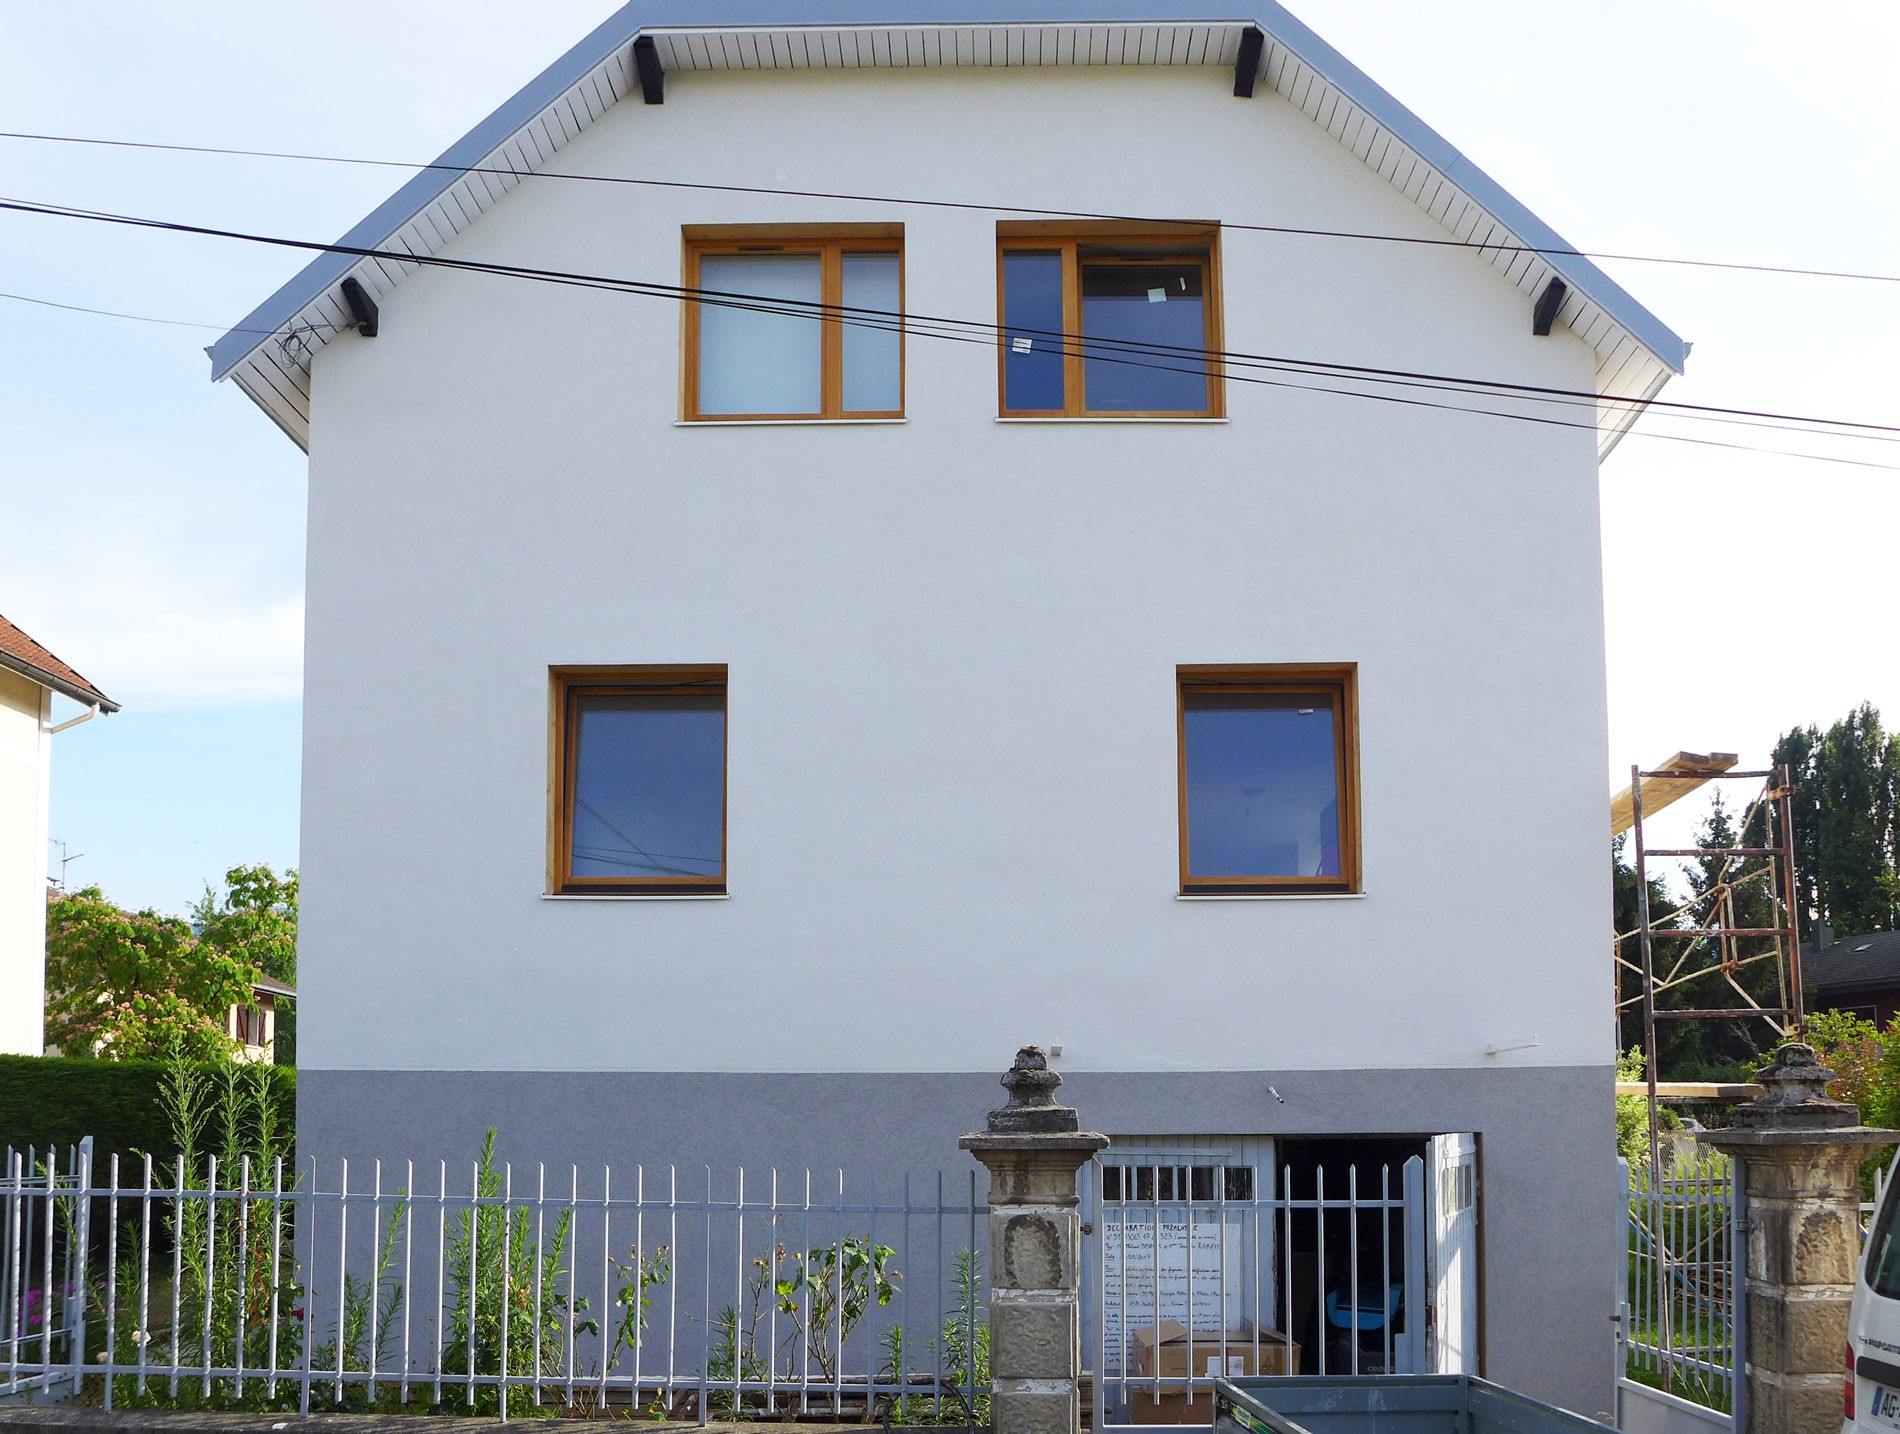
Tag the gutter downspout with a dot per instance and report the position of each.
(91, 712)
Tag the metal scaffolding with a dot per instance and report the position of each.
(1710, 948)
(1707, 948)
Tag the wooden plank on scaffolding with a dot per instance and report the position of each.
(1659, 791)
(1692, 1089)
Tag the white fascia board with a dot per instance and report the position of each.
(310, 286)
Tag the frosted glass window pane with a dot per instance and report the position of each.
(1262, 784)
(753, 362)
(649, 785)
(873, 380)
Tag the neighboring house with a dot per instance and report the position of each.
(30, 676)
(254, 1026)
(740, 733)
(1860, 974)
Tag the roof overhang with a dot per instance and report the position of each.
(64, 686)
(268, 353)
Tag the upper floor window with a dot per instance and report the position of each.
(638, 777)
(1109, 320)
(1269, 779)
(795, 322)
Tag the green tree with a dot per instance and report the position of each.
(135, 985)
(254, 920)
(1846, 806)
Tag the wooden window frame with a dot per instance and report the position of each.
(1175, 243)
(828, 243)
(566, 685)
(1338, 681)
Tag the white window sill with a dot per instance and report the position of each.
(787, 422)
(1271, 896)
(1104, 418)
(636, 896)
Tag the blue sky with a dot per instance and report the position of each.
(154, 523)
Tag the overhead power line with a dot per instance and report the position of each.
(136, 318)
(512, 172)
(985, 334)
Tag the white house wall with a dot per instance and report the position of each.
(951, 642)
(25, 750)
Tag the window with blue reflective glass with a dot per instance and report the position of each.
(1109, 322)
(1268, 779)
(641, 766)
(1144, 330)
(1033, 364)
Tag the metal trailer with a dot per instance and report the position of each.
(1386, 1404)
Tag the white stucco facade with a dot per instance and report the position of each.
(951, 642)
(26, 751)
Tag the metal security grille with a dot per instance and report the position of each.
(1232, 1259)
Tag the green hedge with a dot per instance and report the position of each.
(57, 1101)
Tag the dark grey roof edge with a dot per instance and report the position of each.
(35, 673)
(310, 283)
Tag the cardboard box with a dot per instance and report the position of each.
(1172, 1351)
(1170, 1407)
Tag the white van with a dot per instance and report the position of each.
(1873, 1327)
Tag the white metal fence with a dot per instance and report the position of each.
(682, 1294)
(1682, 1310)
(661, 1290)
(42, 1298)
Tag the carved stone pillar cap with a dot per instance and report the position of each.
(1033, 1117)
(1795, 1096)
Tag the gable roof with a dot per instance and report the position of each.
(20, 653)
(268, 353)
(1854, 963)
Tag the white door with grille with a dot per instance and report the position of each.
(1452, 1255)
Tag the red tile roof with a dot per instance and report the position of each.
(22, 654)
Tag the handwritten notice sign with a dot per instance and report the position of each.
(1145, 1274)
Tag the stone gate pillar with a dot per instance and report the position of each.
(1033, 1148)
(1800, 1157)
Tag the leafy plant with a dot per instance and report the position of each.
(733, 1355)
(508, 1303)
(643, 1274)
(232, 1257)
(1632, 1112)
(963, 1351)
(966, 1340)
(827, 1291)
